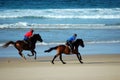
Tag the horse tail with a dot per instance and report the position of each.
(8, 43)
(50, 49)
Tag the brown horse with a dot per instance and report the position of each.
(21, 45)
(66, 50)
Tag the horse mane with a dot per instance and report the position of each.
(35, 34)
(79, 40)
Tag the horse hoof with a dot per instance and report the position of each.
(24, 58)
(35, 58)
(52, 62)
(28, 55)
(81, 62)
(64, 62)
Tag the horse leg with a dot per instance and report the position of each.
(61, 59)
(54, 58)
(35, 55)
(78, 56)
(33, 52)
(20, 53)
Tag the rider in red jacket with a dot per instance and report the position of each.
(28, 35)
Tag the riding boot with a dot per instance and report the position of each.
(71, 46)
(72, 49)
(30, 45)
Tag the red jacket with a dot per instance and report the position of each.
(28, 34)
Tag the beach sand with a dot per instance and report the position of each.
(95, 67)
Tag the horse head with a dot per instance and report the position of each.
(37, 37)
(80, 42)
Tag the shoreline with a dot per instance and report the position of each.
(89, 49)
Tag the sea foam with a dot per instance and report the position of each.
(85, 13)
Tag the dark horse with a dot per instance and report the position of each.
(66, 50)
(21, 45)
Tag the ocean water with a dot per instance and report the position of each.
(97, 22)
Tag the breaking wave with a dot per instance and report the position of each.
(86, 42)
(85, 13)
(60, 26)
